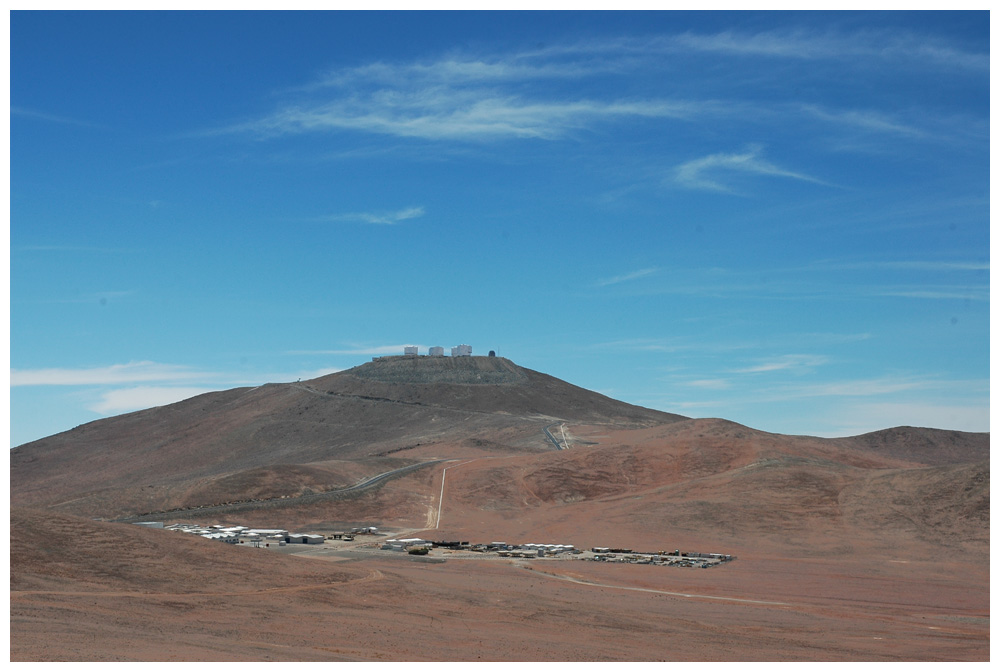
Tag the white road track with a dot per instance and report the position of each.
(562, 428)
(661, 592)
(444, 474)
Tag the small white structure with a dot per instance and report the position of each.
(305, 539)
(409, 350)
(234, 529)
(403, 544)
(226, 537)
(461, 351)
(436, 351)
(266, 534)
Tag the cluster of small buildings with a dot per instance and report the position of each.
(662, 558)
(533, 550)
(406, 544)
(240, 534)
(438, 351)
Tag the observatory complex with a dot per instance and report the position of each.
(438, 351)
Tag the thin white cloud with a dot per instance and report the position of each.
(979, 293)
(361, 350)
(906, 265)
(379, 217)
(862, 47)
(798, 363)
(708, 172)
(473, 98)
(865, 48)
(452, 71)
(68, 248)
(309, 375)
(453, 114)
(862, 418)
(138, 398)
(45, 116)
(665, 345)
(870, 387)
(153, 372)
(710, 384)
(635, 275)
(864, 120)
(133, 372)
(487, 97)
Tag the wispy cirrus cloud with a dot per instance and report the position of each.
(861, 418)
(797, 363)
(868, 48)
(489, 97)
(456, 70)
(138, 398)
(382, 217)
(618, 279)
(871, 387)
(905, 265)
(710, 172)
(710, 384)
(865, 120)
(154, 372)
(360, 350)
(981, 293)
(452, 114)
(45, 116)
(133, 372)
(881, 46)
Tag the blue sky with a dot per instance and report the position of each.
(781, 219)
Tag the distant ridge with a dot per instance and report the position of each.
(932, 447)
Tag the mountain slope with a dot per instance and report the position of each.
(357, 415)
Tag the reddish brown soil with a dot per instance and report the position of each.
(835, 561)
(152, 595)
(864, 548)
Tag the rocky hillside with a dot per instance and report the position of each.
(150, 458)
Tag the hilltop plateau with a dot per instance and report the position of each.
(874, 547)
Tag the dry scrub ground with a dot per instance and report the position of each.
(841, 556)
(396, 608)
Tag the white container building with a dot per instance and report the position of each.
(410, 350)
(436, 351)
(461, 351)
(305, 539)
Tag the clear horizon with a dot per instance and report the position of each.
(776, 218)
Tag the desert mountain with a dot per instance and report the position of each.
(320, 434)
(873, 547)
(297, 439)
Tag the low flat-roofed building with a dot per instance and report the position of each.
(227, 537)
(266, 533)
(305, 539)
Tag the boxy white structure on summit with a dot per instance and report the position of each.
(437, 351)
